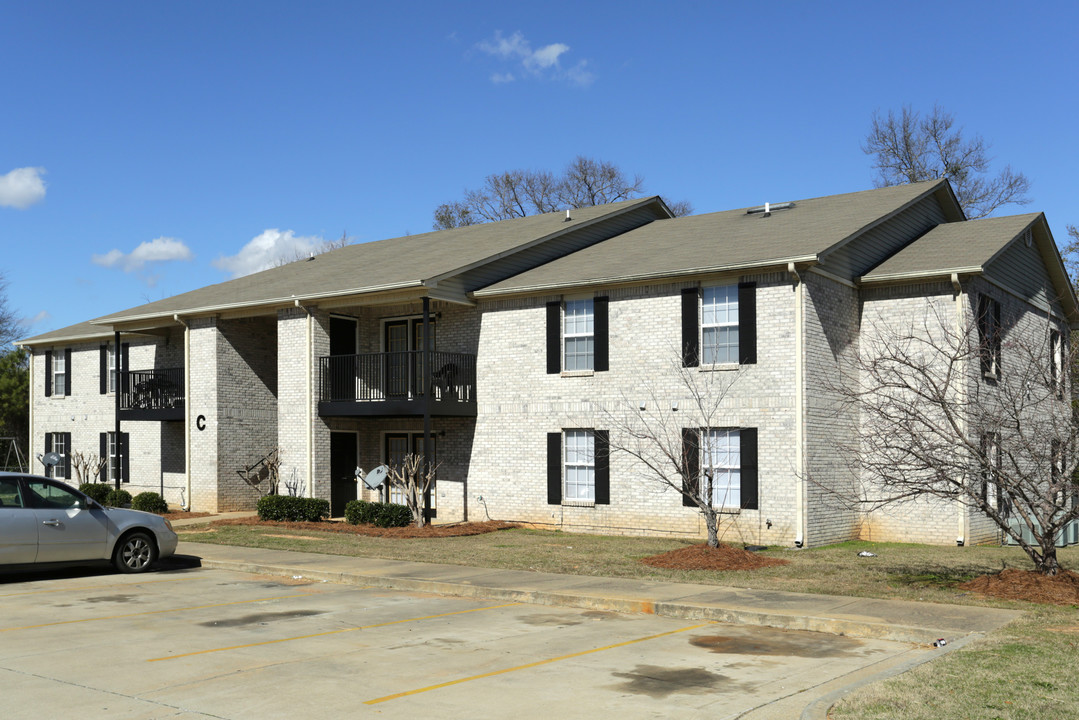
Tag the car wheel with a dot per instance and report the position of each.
(135, 553)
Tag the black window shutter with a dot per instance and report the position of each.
(49, 472)
(48, 374)
(67, 375)
(601, 330)
(103, 366)
(747, 438)
(691, 465)
(554, 468)
(67, 454)
(554, 338)
(747, 323)
(125, 350)
(603, 467)
(691, 336)
(125, 459)
(103, 454)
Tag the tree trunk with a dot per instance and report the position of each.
(1047, 563)
(713, 533)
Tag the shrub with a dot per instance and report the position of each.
(292, 509)
(150, 502)
(96, 491)
(118, 498)
(360, 512)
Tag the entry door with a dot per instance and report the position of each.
(343, 370)
(397, 446)
(342, 471)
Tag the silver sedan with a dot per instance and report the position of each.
(47, 521)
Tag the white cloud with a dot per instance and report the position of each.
(544, 62)
(39, 318)
(22, 187)
(162, 249)
(267, 250)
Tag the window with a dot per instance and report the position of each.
(719, 325)
(580, 471)
(724, 459)
(117, 457)
(989, 334)
(58, 372)
(721, 462)
(991, 493)
(577, 336)
(108, 368)
(578, 467)
(59, 443)
(1056, 362)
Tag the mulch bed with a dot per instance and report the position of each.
(1029, 585)
(428, 531)
(702, 557)
(185, 515)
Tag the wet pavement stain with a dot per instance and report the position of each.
(262, 618)
(603, 615)
(110, 598)
(551, 619)
(775, 643)
(661, 682)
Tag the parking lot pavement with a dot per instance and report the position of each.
(192, 642)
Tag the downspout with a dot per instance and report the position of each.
(30, 430)
(187, 409)
(120, 370)
(964, 517)
(308, 400)
(799, 408)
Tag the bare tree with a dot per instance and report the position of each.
(415, 478)
(11, 324)
(910, 148)
(324, 247)
(676, 442)
(518, 193)
(87, 466)
(266, 469)
(941, 418)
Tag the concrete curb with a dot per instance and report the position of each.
(589, 601)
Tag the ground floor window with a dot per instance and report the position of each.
(580, 465)
(116, 456)
(397, 446)
(59, 443)
(721, 462)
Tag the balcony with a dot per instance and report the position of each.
(394, 384)
(152, 394)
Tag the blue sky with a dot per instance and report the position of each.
(147, 149)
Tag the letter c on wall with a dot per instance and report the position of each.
(200, 422)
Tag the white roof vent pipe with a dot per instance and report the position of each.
(766, 209)
(568, 218)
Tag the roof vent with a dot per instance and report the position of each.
(767, 208)
(568, 218)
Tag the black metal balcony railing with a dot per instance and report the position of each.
(161, 389)
(396, 376)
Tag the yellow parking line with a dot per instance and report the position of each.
(156, 612)
(96, 587)
(330, 632)
(530, 665)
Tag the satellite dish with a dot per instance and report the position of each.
(376, 477)
(51, 459)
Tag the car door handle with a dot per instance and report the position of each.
(51, 523)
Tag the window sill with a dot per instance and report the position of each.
(720, 367)
(578, 373)
(579, 503)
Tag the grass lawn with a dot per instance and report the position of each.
(1025, 670)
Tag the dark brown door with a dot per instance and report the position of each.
(342, 471)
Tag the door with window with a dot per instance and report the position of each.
(397, 446)
(404, 363)
(344, 334)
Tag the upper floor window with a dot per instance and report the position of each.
(1056, 361)
(108, 368)
(719, 325)
(577, 336)
(989, 336)
(58, 372)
